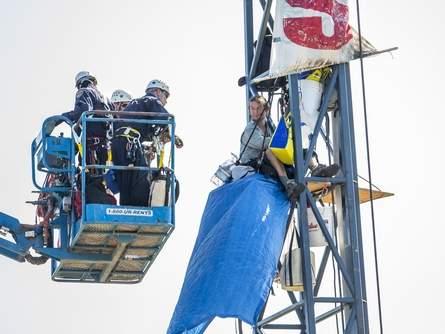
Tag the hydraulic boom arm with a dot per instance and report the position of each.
(23, 238)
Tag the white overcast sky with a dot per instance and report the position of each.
(197, 48)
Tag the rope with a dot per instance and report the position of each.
(373, 185)
(368, 157)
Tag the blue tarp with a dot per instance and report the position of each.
(235, 255)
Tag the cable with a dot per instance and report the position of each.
(372, 185)
(369, 168)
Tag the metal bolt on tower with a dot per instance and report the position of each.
(344, 299)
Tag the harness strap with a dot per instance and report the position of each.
(77, 140)
(128, 132)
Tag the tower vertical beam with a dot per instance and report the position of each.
(260, 39)
(348, 250)
(270, 19)
(308, 294)
(351, 201)
(248, 47)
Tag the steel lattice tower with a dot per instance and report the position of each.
(344, 248)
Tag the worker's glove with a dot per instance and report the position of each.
(149, 152)
(178, 142)
(165, 138)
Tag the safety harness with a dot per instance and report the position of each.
(133, 137)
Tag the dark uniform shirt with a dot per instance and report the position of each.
(147, 103)
(88, 99)
(133, 184)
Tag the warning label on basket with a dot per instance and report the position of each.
(129, 212)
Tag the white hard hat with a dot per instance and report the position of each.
(120, 95)
(158, 84)
(82, 76)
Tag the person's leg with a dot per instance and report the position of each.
(293, 189)
(276, 164)
(320, 170)
(95, 191)
(140, 188)
(123, 177)
(139, 182)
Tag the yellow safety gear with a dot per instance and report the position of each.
(282, 144)
(319, 75)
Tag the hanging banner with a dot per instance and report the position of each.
(312, 34)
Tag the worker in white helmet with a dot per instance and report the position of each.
(89, 98)
(120, 99)
(133, 184)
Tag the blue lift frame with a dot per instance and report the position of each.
(108, 243)
(347, 251)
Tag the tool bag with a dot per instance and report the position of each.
(160, 189)
(282, 144)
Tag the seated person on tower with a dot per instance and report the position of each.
(254, 150)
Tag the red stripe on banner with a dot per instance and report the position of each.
(307, 31)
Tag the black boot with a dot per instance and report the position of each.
(292, 188)
(325, 171)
